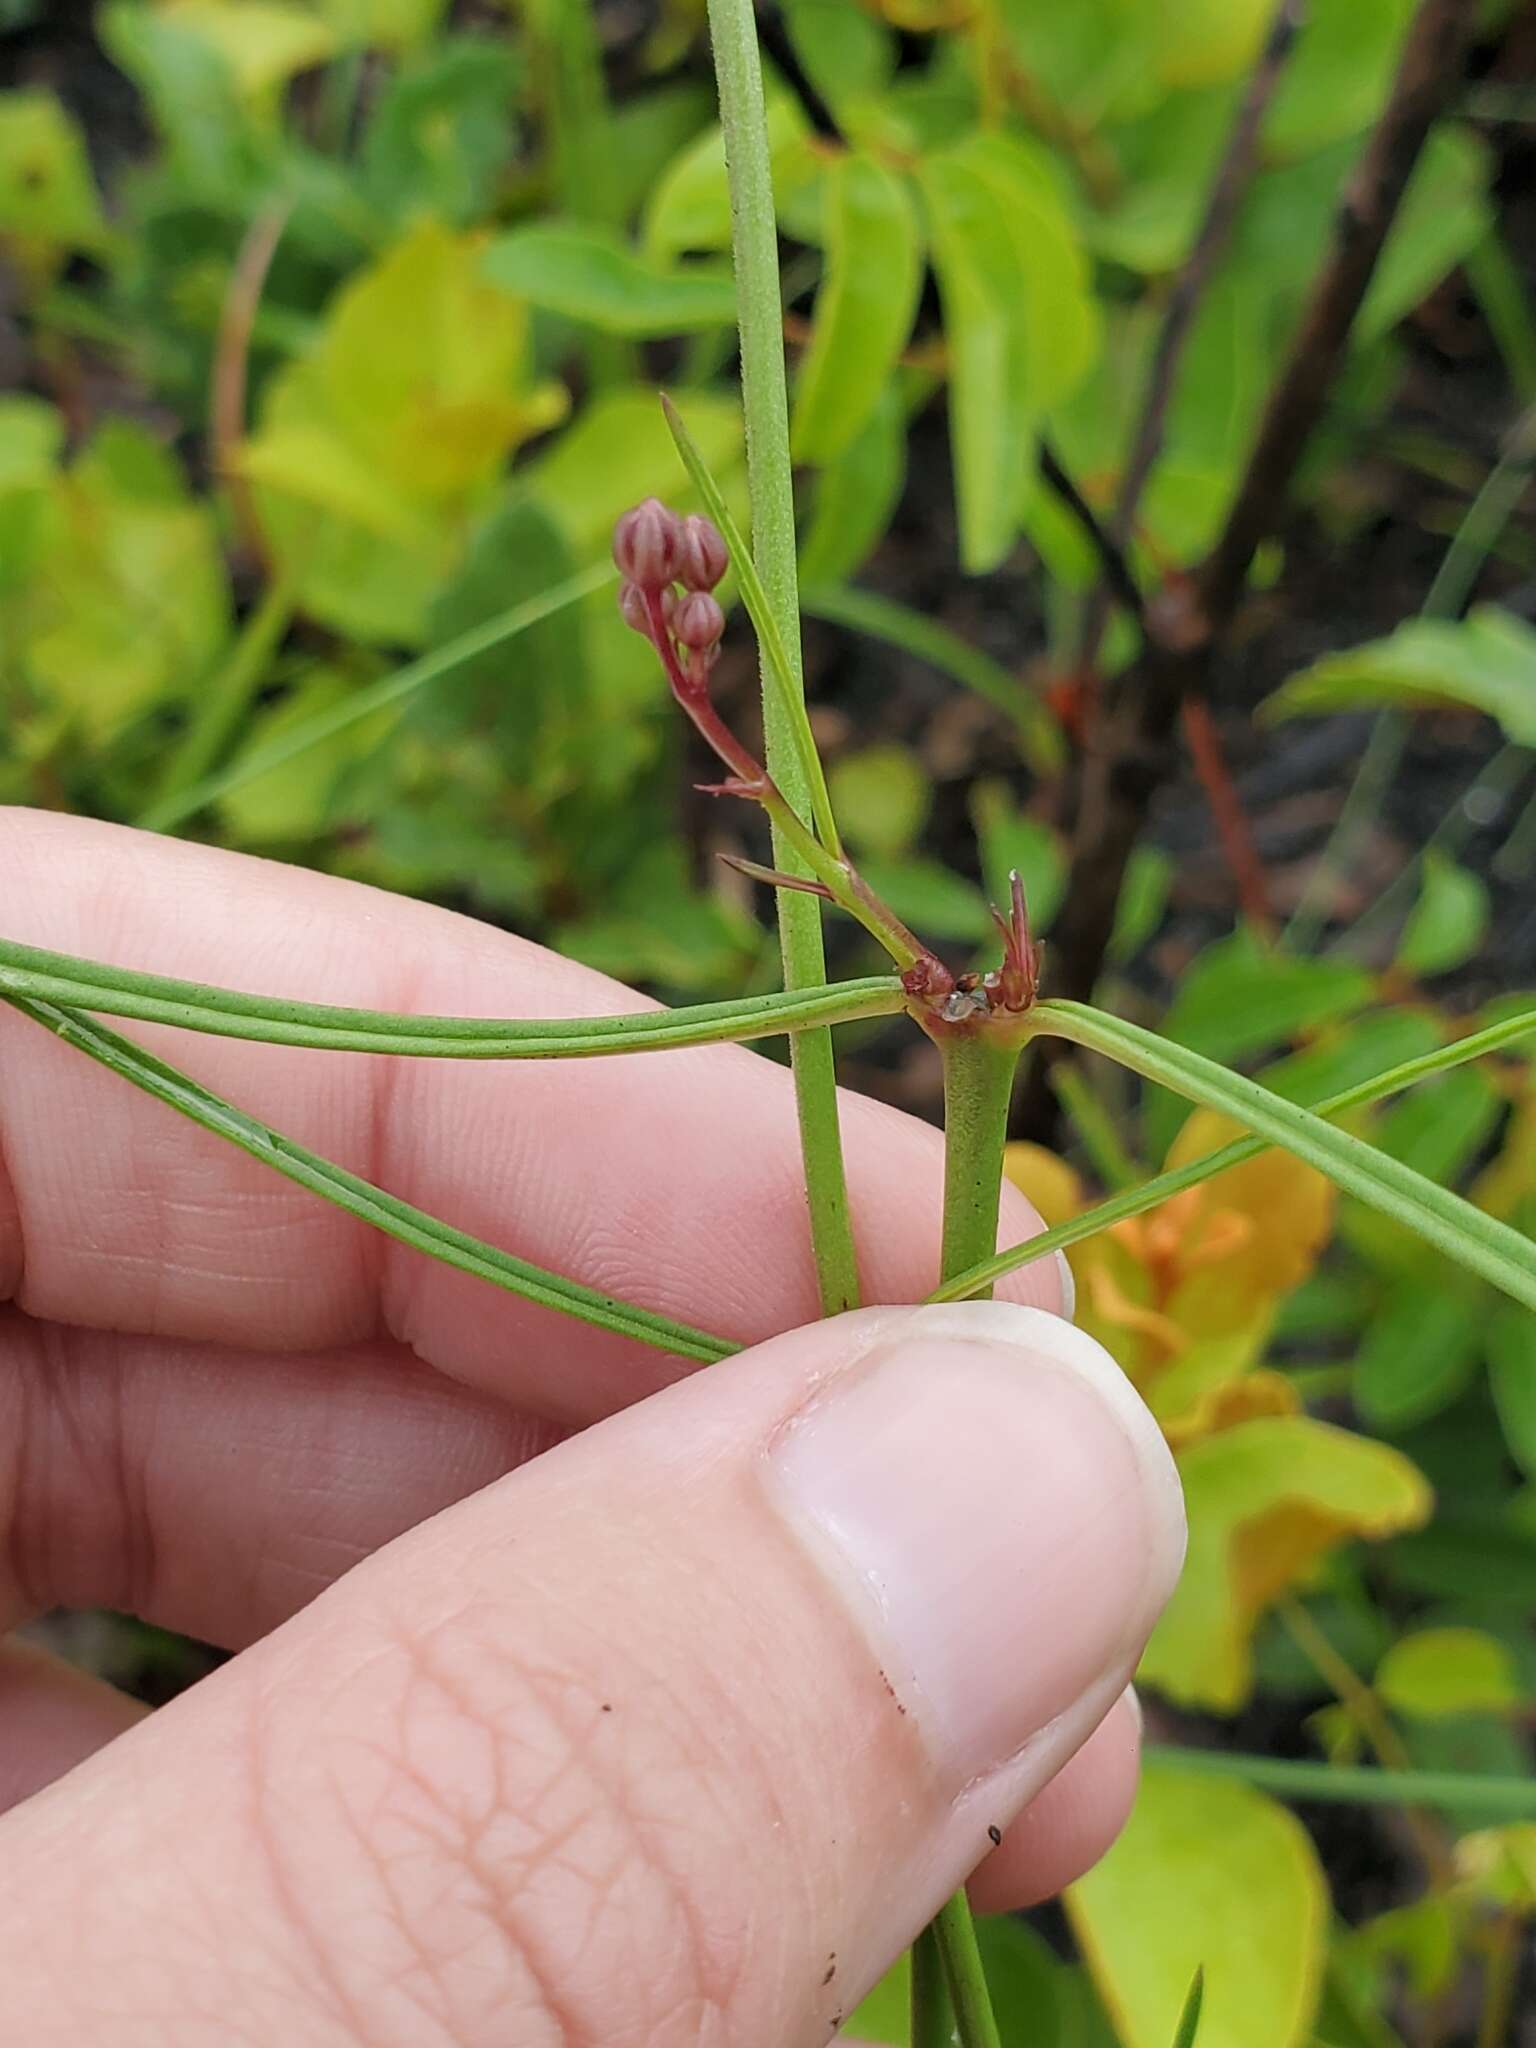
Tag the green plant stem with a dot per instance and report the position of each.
(1136, 1201)
(225, 1013)
(164, 815)
(1496, 1799)
(360, 1198)
(770, 482)
(978, 1083)
(932, 2015)
(223, 704)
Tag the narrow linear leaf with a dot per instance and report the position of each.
(416, 675)
(591, 274)
(776, 663)
(1480, 1243)
(1359, 1784)
(226, 1013)
(864, 309)
(360, 1198)
(1189, 2018)
(1136, 1201)
(864, 611)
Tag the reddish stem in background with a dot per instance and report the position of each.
(1232, 827)
(231, 371)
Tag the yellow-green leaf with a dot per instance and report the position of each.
(48, 204)
(1440, 1671)
(865, 307)
(1266, 1500)
(1209, 1875)
(262, 42)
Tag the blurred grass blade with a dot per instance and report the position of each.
(360, 1198)
(226, 1013)
(1136, 1201)
(776, 662)
(863, 611)
(1469, 1792)
(1189, 2018)
(1480, 1243)
(164, 815)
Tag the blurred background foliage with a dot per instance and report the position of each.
(331, 332)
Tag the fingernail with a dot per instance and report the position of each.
(1068, 1281)
(1000, 1511)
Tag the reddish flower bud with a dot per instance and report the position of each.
(698, 622)
(703, 559)
(632, 608)
(647, 543)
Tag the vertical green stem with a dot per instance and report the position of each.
(933, 2017)
(738, 72)
(978, 1082)
(225, 699)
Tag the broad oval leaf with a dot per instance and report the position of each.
(591, 274)
(1266, 1499)
(1209, 1875)
(864, 309)
(1485, 662)
(1436, 1672)
(1450, 920)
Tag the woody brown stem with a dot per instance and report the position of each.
(1132, 748)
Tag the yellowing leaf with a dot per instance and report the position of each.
(395, 25)
(1210, 1875)
(1047, 1180)
(262, 43)
(1439, 1671)
(1266, 1500)
(1290, 1206)
(1499, 1864)
(1204, 42)
(48, 203)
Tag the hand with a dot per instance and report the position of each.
(556, 1718)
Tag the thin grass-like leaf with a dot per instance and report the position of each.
(174, 810)
(1470, 1792)
(226, 1013)
(1479, 1243)
(1189, 2019)
(1136, 1201)
(360, 1198)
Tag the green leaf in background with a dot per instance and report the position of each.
(262, 43)
(1445, 214)
(1512, 1377)
(442, 132)
(1485, 662)
(1266, 1499)
(856, 496)
(1019, 325)
(287, 806)
(1209, 1875)
(31, 441)
(1038, 735)
(881, 796)
(864, 309)
(1337, 75)
(1449, 923)
(48, 204)
(930, 897)
(690, 207)
(1418, 1352)
(393, 25)
(591, 274)
(1435, 1672)
(130, 603)
(1442, 1126)
(1010, 839)
(1239, 998)
(618, 450)
(848, 55)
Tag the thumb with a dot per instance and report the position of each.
(675, 1736)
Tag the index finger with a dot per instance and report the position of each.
(673, 1182)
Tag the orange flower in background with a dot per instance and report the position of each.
(1186, 1298)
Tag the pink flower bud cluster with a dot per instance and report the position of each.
(656, 550)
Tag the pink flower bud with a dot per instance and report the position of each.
(647, 543)
(703, 559)
(698, 622)
(632, 608)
